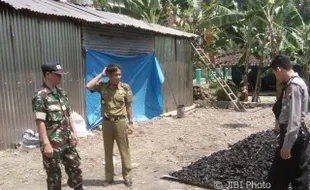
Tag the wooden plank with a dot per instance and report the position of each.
(172, 178)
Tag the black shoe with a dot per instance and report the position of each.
(80, 187)
(128, 183)
(108, 182)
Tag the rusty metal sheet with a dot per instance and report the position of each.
(64, 9)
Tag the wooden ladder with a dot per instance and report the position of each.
(205, 59)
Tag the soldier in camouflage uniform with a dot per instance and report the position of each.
(116, 99)
(58, 137)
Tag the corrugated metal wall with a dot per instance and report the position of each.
(117, 40)
(25, 43)
(174, 56)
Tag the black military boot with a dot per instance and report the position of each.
(128, 183)
(80, 187)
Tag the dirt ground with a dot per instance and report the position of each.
(157, 147)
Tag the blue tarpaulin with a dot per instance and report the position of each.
(142, 73)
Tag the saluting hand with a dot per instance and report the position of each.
(285, 153)
(103, 72)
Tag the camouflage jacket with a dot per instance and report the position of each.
(52, 107)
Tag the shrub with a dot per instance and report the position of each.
(221, 95)
(214, 85)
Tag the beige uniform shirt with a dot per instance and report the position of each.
(114, 100)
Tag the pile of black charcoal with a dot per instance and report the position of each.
(244, 165)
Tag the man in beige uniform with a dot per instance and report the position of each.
(116, 98)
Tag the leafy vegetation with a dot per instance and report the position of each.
(259, 28)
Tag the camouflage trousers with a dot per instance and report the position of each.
(71, 160)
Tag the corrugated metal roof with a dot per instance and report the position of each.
(51, 7)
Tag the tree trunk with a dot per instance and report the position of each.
(305, 73)
(307, 76)
(258, 84)
(275, 52)
(208, 37)
(245, 90)
(170, 16)
(274, 46)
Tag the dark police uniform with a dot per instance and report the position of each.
(294, 135)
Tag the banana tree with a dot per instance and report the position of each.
(148, 10)
(274, 17)
(261, 51)
(190, 22)
(243, 32)
(249, 36)
(101, 4)
(306, 55)
(279, 16)
(302, 51)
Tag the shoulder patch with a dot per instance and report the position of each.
(124, 85)
(36, 94)
(104, 84)
(129, 92)
(42, 92)
(289, 91)
(127, 88)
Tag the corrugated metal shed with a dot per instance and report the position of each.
(51, 7)
(25, 43)
(27, 39)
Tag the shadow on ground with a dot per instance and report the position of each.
(97, 183)
(235, 125)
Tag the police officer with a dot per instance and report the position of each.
(58, 136)
(290, 164)
(116, 99)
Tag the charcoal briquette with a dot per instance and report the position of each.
(247, 160)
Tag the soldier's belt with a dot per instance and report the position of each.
(114, 118)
